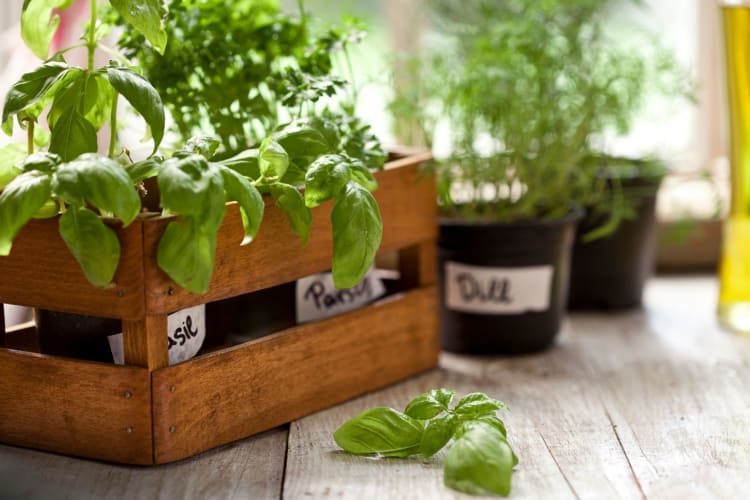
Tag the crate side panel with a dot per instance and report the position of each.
(41, 272)
(408, 207)
(254, 387)
(77, 408)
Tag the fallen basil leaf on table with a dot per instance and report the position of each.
(480, 461)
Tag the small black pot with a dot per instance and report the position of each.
(610, 272)
(503, 286)
(75, 336)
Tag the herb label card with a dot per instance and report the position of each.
(497, 290)
(187, 331)
(317, 298)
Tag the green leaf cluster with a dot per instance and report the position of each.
(479, 461)
(527, 89)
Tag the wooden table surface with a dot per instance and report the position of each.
(646, 404)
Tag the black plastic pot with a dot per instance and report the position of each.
(75, 336)
(610, 272)
(516, 273)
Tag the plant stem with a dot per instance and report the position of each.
(113, 126)
(91, 41)
(30, 136)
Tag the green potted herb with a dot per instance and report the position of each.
(93, 194)
(516, 89)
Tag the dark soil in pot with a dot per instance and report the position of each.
(503, 286)
(75, 336)
(610, 272)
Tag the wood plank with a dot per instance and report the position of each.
(252, 468)
(145, 342)
(256, 386)
(79, 408)
(41, 272)
(408, 208)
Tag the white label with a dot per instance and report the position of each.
(497, 290)
(186, 329)
(317, 298)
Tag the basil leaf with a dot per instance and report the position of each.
(251, 203)
(301, 141)
(142, 96)
(362, 175)
(192, 186)
(44, 162)
(33, 86)
(325, 178)
(289, 199)
(146, 16)
(93, 244)
(144, 169)
(186, 253)
(382, 431)
(430, 404)
(437, 434)
(38, 25)
(205, 145)
(357, 231)
(100, 181)
(244, 163)
(72, 136)
(480, 462)
(272, 160)
(19, 201)
(10, 156)
(477, 404)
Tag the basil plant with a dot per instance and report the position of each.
(70, 178)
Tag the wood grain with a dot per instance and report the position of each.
(407, 204)
(256, 386)
(41, 272)
(86, 409)
(145, 342)
(248, 469)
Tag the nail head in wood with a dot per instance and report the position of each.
(128, 394)
(172, 388)
(173, 429)
(129, 430)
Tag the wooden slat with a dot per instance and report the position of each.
(256, 386)
(41, 272)
(74, 407)
(249, 469)
(407, 204)
(145, 342)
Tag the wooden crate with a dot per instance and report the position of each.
(147, 412)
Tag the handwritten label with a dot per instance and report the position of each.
(497, 290)
(318, 298)
(186, 329)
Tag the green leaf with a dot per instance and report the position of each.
(144, 169)
(10, 156)
(186, 253)
(362, 175)
(33, 86)
(302, 141)
(90, 94)
(480, 463)
(325, 179)
(142, 96)
(93, 244)
(45, 162)
(147, 17)
(477, 404)
(19, 201)
(272, 160)
(289, 199)
(430, 404)
(437, 434)
(244, 163)
(205, 145)
(192, 186)
(72, 136)
(382, 431)
(100, 181)
(251, 203)
(38, 25)
(357, 231)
